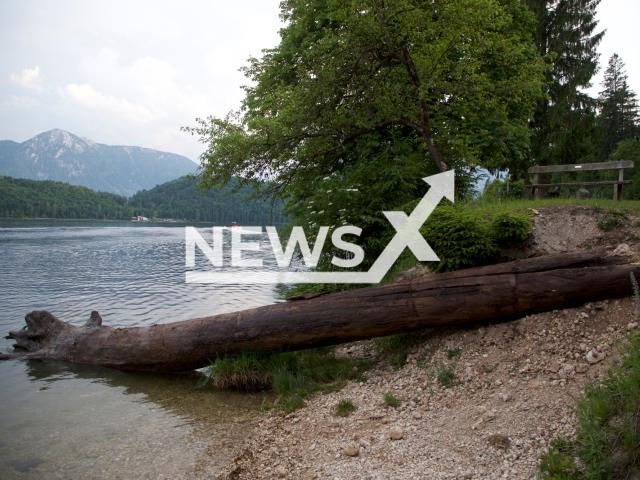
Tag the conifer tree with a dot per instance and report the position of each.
(618, 104)
(563, 121)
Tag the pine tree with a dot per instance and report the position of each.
(618, 104)
(563, 122)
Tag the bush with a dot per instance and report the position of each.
(390, 400)
(509, 228)
(461, 239)
(445, 374)
(344, 408)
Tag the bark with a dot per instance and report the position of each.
(493, 293)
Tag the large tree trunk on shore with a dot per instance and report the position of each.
(492, 293)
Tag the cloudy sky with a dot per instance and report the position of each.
(133, 73)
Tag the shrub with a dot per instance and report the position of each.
(460, 238)
(509, 228)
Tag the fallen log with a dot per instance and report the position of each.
(492, 293)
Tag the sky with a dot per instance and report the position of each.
(133, 73)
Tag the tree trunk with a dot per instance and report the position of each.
(492, 293)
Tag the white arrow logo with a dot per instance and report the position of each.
(407, 235)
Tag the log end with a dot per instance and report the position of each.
(42, 329)
(95, 320)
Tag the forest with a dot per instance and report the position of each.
(178, 199)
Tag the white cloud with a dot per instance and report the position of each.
(86, 96)
(29, 78)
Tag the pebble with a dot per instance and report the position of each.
(352, 449)
(281, 472)
(594, 357)
(396, 433)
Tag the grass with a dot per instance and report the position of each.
(617, 216)
(397, 345)
(345, 407)
(445, 374)
(453, 353)
(390, 400)
(608, 431)
(292, 376)
(488, 209)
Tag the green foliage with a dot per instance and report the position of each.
(453, 353)
(178, 199)
(48, 199)
(510, 229)
(562, 126)
(459, 237)
(617, 216)
(390, 400)
(445, 374)
(290, 375)
(345, 407)
(497, 190)
(181, 199)
(396, 346)
(456, 80)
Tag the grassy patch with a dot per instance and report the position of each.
(453, 353)
(617, 216)
(396, 346)
(390, 400)
(445, 374)
(344, 408)
(292, 376)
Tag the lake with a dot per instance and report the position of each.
(59, 420)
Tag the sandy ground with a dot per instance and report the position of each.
(514, 387)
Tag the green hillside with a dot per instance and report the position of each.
(178, 199)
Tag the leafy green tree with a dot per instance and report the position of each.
(459, 78)
(618, 108)
(563, 123)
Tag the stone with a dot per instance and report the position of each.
(554, 367)
(506, 397)
(583, 194)
(533, 384)
(632, 325)
(481, 410)
(416, 415)
(467, 474)
(396, 433)
(352, 449)
(488, 416)
(594, 357)
(622, 249)
(582, 367)
(281, 472)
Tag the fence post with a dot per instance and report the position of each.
(617, 189)
(536, 191)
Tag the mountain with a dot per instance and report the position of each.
(63, 156)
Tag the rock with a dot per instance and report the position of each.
(396, 433)
(622, 249)
(352, 449)
(488, 416)
(582, 367)
(481, 410)
(468, 474)
(594, 357)
(554, 367)
(506, 397)
(416, 415)
(533, 384)
(632, 325)
(583, 194)
(281, 472)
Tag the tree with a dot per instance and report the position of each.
(564, 119)
(618, 108)
(456, 78)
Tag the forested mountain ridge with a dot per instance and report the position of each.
(178, 199)
(61, 156)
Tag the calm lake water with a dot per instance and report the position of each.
(59, 420)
